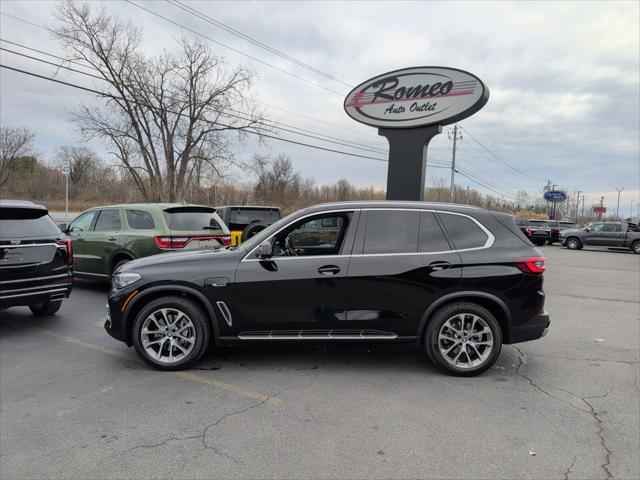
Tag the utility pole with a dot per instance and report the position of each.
(577, 204)
(468, 197)
(619, 189)
(601, 205)
(455, 139)
(583, 207)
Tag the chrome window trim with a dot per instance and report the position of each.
(32, 279)
(488, 244)
(33, 293)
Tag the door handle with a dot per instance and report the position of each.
(329, 270)
(439, 265)
(112, 239)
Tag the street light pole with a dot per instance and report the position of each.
(619, 189)
(577, 204)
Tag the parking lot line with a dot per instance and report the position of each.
(193, 377)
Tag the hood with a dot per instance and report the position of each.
(173, 257)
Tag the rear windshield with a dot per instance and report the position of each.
(25, 223)
(192, 218)
(245, 216)
(538, 223)
(568, 224)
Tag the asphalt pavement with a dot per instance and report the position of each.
(76, 404)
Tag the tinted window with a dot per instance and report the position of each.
(108, 221)
(464, 232)
(552, 223)
(314, 235)
(612, 227)
(567, 225)
(245, 216)
(596, 227)
(26, 222)
(83, 222)
(391, 231)
(432, 238)
(139, 220)
(192, 218)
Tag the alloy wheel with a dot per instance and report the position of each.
(465, 341)
(572, 243)
(168, 335)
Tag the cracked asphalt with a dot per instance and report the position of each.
(75, 403)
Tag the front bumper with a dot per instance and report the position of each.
(536, 327)
(114, 322)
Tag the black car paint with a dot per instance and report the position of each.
(43, 272)
(389, 293)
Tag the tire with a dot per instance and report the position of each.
(250, 230)
(159, 313)
(45, 308)
(481, 358)
(573, 243)
(636, 247)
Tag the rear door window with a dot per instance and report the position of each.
(464, 232)
(200, 219)
(108, 221)
(432, 238)
(392, 231)
(25, 223)
(140, 220)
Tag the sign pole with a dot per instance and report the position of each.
(408, 160)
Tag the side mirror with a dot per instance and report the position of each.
(587, 229)
(265, 250)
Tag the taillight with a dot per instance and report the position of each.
(68, 244)
(529, 230)
(226, 240)
(531, 264)
(171, 242)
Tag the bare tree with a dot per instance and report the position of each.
(277, 182)
(83, 162)
(157, 114)
(14, 143)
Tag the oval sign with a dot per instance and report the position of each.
(417, 96)
(555, 196)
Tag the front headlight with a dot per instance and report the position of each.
(124, 279)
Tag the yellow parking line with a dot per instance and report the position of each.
(194, 377)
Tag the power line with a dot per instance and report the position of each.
(341, 127)
(500, 159)
(237, 114)
(282, 139)
(255, 59)
(198, 14)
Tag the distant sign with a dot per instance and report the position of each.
(555, 196)
(599, 210)
(416, 97)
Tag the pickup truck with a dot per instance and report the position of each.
(605, 234)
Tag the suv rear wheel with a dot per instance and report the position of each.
(463, 339)
(636, 247)
(171, 333)
(45, 308)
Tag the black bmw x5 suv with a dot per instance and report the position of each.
(460, 280)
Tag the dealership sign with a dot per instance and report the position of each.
(416, 97)
(555, 196)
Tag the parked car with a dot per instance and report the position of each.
(460, 280)
(106, 237)
(36, 259)
(537, 231)
(603, 234)
(556, 227)
(244, 221)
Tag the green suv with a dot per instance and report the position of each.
(106, 237)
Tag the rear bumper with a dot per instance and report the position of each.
(36, 290)
(535, 328)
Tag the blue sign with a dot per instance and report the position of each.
(555, 196)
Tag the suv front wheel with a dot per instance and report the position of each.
(171, 333)
(463, 339)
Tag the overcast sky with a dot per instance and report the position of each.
(564, 81)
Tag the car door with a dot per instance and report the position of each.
(103, 240)
(300, 290)
(612, 235)
(78, 229)
(402, 262)
(595, 235)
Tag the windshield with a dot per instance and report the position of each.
(192, 219)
